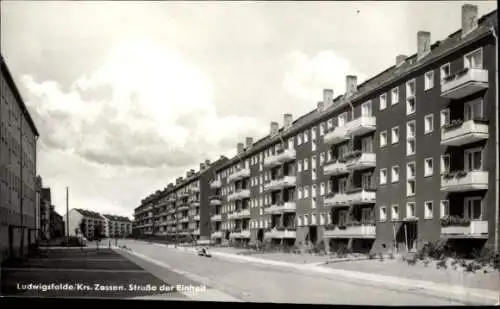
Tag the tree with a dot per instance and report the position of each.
(98, 234)
(83, 228)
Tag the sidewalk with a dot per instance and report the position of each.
(463, 293)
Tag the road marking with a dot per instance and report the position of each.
(210, 294)
(76, 270)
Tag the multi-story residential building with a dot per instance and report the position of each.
(117, 226)
(18, 137)
(180, 209)
(409, 155)
(57, 228)
(91, 220)
(45, 212)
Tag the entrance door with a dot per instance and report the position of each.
(260, 235)
(411, 234)
(313, 234)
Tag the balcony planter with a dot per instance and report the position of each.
(352, 155)
(330, 227)
(455, 123)
(454, 221)
(456, 174)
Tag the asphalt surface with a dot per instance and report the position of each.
(87, 273)
(265, 283)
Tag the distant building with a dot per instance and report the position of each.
(18, 137)
(117, 226)
(90, 219)
(45, 205)
(57, 227)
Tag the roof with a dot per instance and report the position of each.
(89, 213)
(45, 194)
(17, 95)
(391, 75)
(116, 218)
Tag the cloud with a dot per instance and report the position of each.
(306, 76)
(146, 106)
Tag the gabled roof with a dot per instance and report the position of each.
(391, 75)
(89, 214)
(117, 218)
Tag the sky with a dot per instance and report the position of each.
(128, 96)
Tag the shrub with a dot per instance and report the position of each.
(391, 256)
(441, 264)
(380, 256)
(371, 255)
(342, 251)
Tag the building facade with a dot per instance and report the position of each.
(117, 226)
(18, 137)
(45, 212)
(85, 222)
(408, 156)
(181, 209)
(57, 228)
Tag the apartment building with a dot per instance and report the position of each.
(91, 221)
(407, 156)
(18, 137)
(117, 226)
(57, 228)
(180, 209)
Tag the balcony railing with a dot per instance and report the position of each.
(240, 214)
(184, 220)
(358, 160)
(195, 203)
(336, 136)
(280, 233)
(463, 181)
(350, 230)
(196, 218)
(336, 199)
(182, 207)
(196, 231)
(281, 208)
(350, 197)
(240, 174)
(216, 234)
(216, 217)
(238, 195)
(464, 83)
(361, 125)
(240, 234)
(215, 184)
(459, 133)
(278, 184)
(281, 156)
(464, 228)
(215, 200)
(334, 168)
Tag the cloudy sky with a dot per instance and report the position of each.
(127, 96)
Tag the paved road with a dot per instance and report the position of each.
(262, 283)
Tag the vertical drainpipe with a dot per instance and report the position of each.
(497, 202)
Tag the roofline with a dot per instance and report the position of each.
(342, 101)
(17, 95)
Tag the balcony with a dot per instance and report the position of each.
(216, 217)
(464, 83)
(281, 183)
(281, 208)
(184, 220)
(196, 218)
(336, 199)
(463, 228)
(195, 203)
(336, 136)
(183, 195)
(281, 156)
(459, 133)
(216, 234)
(358, 160)
(361, 125)
(240, 234)
(195, 189)
(335, 168)
(238, 195)
(351, 230)
(240, 214)
(196, 231)
(281, 233)
(182, 207)
(215, 184)
(215, 200)
(240, 174)
(463, 181)
(361, 196)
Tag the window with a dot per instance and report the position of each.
(329, 124)
(299, 139)
(428, 210)
(313, 162)
(395, 173)
(367, 144)
(306, 192)
(290, 143)
(429, 167)
(410, 129)
(473, 208)
(410, 147)
(299, 220)
(313, 174)
(341, 120)
(322, 189)
(445, 71)
(322, 218)
(445, 163)
(313, 145)
(383, 101)
(313, 219)
(300, 193)
(473, 110)
(395, 135)
(321, 158)
(329, 156)
(321, 129)
(474, 60)
(429, 80)
(473, 159)
(366, 109)
(383, 213)
(383, 176)
(445, 117)
(429, 123)
(383, 138)
(306, 220)
(410, 175)
(306, 136)
(329, 187)
(410, 210)
(395, 212)
(299, 166)
(410, 187)
(315, 191)
(395, 96)
(306, 164)
(445, 208)
(313, 133)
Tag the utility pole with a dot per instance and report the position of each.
(67, 216)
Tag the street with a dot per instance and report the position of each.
(262, 283)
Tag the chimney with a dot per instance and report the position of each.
(327, 97)
(207, 162)
(400, 59)
(423, 44)
(469, 18)
(321, 106)
(274, 128)
(351, 84)
(240, 147)
(287, 120)
(249, 142)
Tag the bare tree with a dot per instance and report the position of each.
(98, 234)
